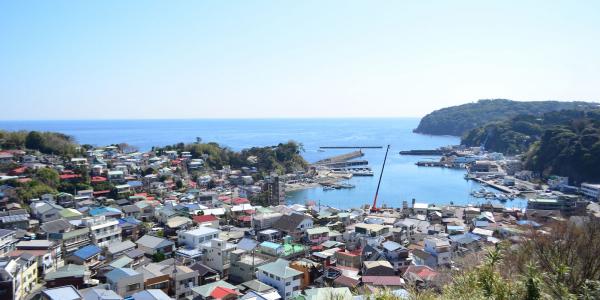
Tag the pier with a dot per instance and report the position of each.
(340, 158)
(351, 147)
(347, 164)
(491, 184)
(431, 164)
(436, 152)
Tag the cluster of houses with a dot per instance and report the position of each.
(148, 238)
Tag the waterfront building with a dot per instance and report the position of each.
(275, 190)
(591, 190)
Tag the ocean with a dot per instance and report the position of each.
(402, 179)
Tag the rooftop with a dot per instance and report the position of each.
(280, 268)
(120, 273)
(87, 252)
(202, 230)
(63, 293)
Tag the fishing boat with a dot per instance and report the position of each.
(347, 186)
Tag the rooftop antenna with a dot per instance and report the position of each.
(374, 207)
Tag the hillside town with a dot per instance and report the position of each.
(162, 225)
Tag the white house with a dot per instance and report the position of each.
(279, 275)
(103, 231)
(216, 253)
(125, 281)
(420, 208)
(439, 248)
(195, 237)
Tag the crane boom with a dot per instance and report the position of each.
(374, 207)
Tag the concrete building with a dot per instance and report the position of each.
(439, 248)
(18, 276)
(281, 276)
(125, 281)
(275, 190)
(195, 237)
(216, 255)
(591, 190)
(244, 264)
(7, 241)
(103, 231)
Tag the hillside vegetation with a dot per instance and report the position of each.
(539, 268)
(282, 158)
(45, 142)
(458, 120)
(564, 143)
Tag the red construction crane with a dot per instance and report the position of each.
(374, 207)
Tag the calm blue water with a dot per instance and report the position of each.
(402, 180)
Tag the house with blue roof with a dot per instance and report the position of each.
(271, 248)
(130, 228)
(125, 281)
(135, 185)
(106, 211)
(88, 256)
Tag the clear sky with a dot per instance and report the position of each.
(256, 59)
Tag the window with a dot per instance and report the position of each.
(133, 287)
(288, 283)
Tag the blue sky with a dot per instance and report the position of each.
(257, 59)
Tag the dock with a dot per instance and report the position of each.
(347, 164)
(436, 152)
(340, 158)
(501, 188)
(431, 164)
(351, 147)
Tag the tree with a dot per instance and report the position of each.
(158, 257)
(34, 140)
(34, 189)
(48, 176)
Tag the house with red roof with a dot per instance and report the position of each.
(421, 275)
(206, 220)
(17, 171)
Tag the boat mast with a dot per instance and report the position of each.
(374, 207)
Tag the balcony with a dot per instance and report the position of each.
(107, 233)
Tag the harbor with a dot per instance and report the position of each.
(407, 180)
